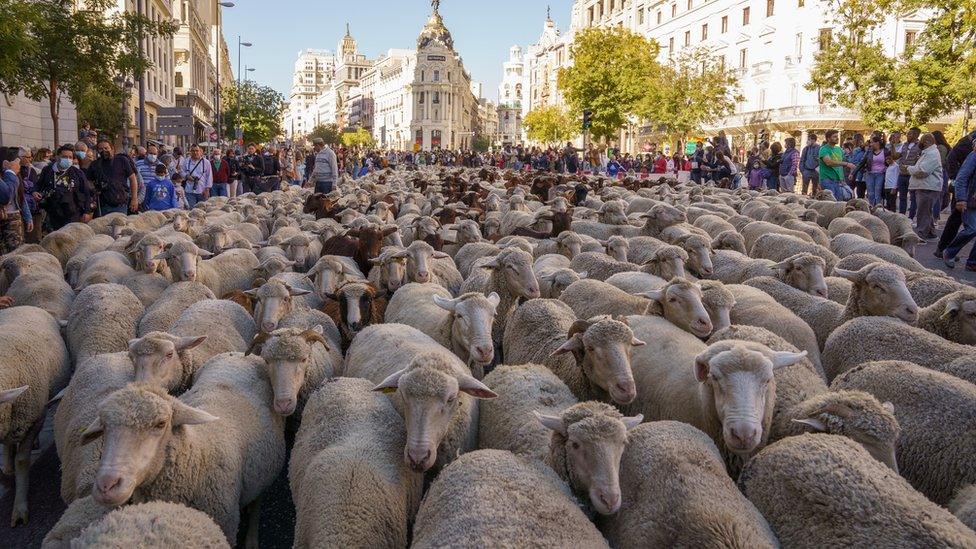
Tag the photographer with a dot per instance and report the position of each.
(252, 167)
(197, 176)
(115, 180)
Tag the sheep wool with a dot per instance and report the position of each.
(44, 290)
(826, 491)
(952, 317)
(676, 493)
(493, 498)
(171, 304)
(347, 474)
(102, 319)
(157, 524)
(964, 506)
(226, 324)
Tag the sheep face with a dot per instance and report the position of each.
(699, 255)
(272, 266)
(393, 273)
(287, 354)
(273, 302)
(355, 307)
(298, 249)
(569, 244)
(146, 251)
(430, 392)
(216, 239)
(682, 305)
(156, 357)
(117, 225)
(418, 256)
(328, 275)
(182, 258)
(602, 348)
(181, 223)
(467, 231)
(559, 280)
(137, 423)
(718, 301)
(668, 262)
(516, 266)
(962, 311)
(424, 227)
(858, 416)
(617, 248)
(880, 290)
(473, 315)
(493, 226)
(738, 384)
(804, 272)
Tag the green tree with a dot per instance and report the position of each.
(613, 73)
(15, 43)
(326, 132)
(699, 91)
(74, 51)
(101, 106)
(550, 125)
(358, 138)
(255, 109)
(481, 143)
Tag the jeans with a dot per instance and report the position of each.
(967, 233)
(925, 222)
(787, 183)
(324, 187)
(193, 198)
(832, 186)
(950, 230)
(875, 187)
(811, 178)
(220, 189)
(902, 192)
(861, 188)
(105, 209)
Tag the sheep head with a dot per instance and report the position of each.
(430, 389)
(602, 347)
(960, 309)
(730, 240)
(473, 315)
(272, 266)
(588, 440)
(880, 290)
(183, 258)
(287, 353)
(718, 301)
(617, 247)
(467, 231)
(157, 358)
(355, 306)
(680, 301)
(569, 244)
(298, 249)
(699, 251)
(738, 387)
(145, 251)
(137, 422)
(418, 255)
(805, 272)
(560, 279)
(667, 262)
(515, 267)
(116, 225)
(273, 303)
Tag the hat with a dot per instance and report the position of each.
(318, 141)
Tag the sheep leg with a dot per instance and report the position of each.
(22, 473)
(9, 450)
(253, 511)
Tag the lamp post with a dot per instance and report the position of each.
(126, 86)
(220, 22)
(237, 118)
(142, 80)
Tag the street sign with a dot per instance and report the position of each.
(175, 121)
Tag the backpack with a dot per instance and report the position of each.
(113, 188)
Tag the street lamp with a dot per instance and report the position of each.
(237, 121)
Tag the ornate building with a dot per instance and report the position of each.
(511, 98)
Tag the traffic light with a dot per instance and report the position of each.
(587, 115)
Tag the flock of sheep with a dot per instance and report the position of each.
(441, 359)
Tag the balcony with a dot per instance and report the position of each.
(761, 68)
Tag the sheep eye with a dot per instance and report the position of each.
(576, 445)
(590, 349)
(169, 354)
(159, 425)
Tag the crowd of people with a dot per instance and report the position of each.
(45, 189)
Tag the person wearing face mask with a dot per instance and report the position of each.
(115, 179)
(925, 180)
(221, 174)
(29, 176)
(15, 216)
(83, 157)
(65, 193)
(146, 159)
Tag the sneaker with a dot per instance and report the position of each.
(949, 261)
(937, 254)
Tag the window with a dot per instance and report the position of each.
(742, 58)
(658, 17)
(721, 63)
(670, 46)
(421, 100)
(910, 37)
(745, 16)
(705, 31)
(437, 76)
(421, 76)
(178, 80)
(437, 97)
(690, 4)
(725, 24)
(687, 38)
(674, 10)
(770, 7)
(640, 17)
(762, 99)
(799, 3)
(798, 48)
(823, 41)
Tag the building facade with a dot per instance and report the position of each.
(195, 67)
(27, 123)
(510, 99)
(312, 76)
(386, 87)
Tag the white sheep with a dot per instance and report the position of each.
(14, 265)
(348, 478)
(105, 268)
(847, 244)
(635, 283)
(952, 317)
(469, 253)
(34, 365)
(425, 264)
(778, 247)
(808, 487)
(229, 271)
(565, 243)
(170, 305)
(228, 327)
(508, 274)
(554, 275)
(102, 319)
(63, 242)
(44, 290)
(462, 324)
(492, 498)
(435, 393)
(677, 494)
(802, 271)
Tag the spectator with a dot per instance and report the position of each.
(115, 180)
(160, 192)
(29, 175)
(925, 181)
(954, 161)
(252, 167)
(221, 174)
(809, 163)
(832, 164)
(965, 204)
(906, 156)
(325, 168)
(788, 166)
(197, 176)
(872, 168)
(771, 169)
(15, 216)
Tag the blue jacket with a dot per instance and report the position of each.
(965, 182)
(160, 195)
(11, 181)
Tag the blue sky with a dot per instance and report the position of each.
(483, 31)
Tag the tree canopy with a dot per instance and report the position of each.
(256, 109)
(326, 132)
(358, 138)
(550, 125)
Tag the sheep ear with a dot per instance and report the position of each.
(295, 292)
(251, 293)
(470, 385)
(853, 276)
(637, 343)
(401, 255)
(443, 303)
(188, 415)
(888, 406)
(574, 343)
(813, 423)
(653, 295)
(951, 310)
(702, 366)
(204, 254)
(185, 343)
(494, 299)
(440, 255)
(374, 261)
(390, 384)
(583, 274)
(491, 265)
(782, 359)
(785, 265)
(10, 394)
(553, 423)
(92, 432)
(634, 421)
(162, 256)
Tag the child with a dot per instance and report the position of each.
(757, 175)
(160, 192)
(181, 202)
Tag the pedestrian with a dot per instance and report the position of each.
(115, 180)
(325, 171)
(221, 174)
(252, 167)
(179, 186)
(925, 181)
(83, 157)
(15, 216)
(832, 164)
(146, 159)
(809, 164)
(906, 156)
(788, 166)
(42, 157)
(66, 194)
(954, 160)
(234, 170)
(771, 169)
(271, 178)
(943, 200)
(872, 167)
(160, 191)
(965, 205)
(197, 176)
(29, 175)
(855, 156)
